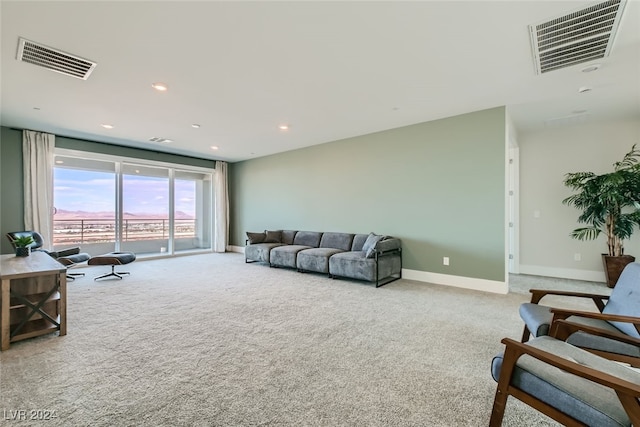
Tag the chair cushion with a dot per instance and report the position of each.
(625, 298)
(537, 318)
(588, 402)
(73, 259)
(595, 342)
(113, 258)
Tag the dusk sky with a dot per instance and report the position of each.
(78, 190)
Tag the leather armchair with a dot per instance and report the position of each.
(68, 257)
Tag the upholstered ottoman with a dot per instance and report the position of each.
(112, 259)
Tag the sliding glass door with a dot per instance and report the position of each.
(149, 208)
(84, 209)
(192, 211)
(145, 209)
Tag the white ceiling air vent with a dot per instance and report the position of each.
(158, 139)
(578, 37)
(54, 59)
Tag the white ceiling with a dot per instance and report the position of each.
(330, 70)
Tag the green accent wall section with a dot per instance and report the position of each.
(11, 178)
(439, 186)
(11, 194)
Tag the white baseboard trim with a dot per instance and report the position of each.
(563, 273)
(238, 249)
(456, 281)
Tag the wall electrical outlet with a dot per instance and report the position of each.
(577, 257)
(445, 260)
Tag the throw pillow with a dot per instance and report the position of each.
(273, 236)
(255, 237)
(369, 246)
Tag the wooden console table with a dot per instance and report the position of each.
(33, 300)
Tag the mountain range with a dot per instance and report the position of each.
(61, 214)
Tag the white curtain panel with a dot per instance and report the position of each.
(221, 197)
(37, 159)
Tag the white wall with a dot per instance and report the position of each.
(545, 223)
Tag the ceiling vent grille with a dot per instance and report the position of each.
(54, 60)
(575, 38)
(161, 140)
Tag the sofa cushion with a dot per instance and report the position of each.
(259, 251)
(273, 236)
(369, 246)
(358, 241)
(256, 237)
(340, 241)
(288, 236)
(315, 259)
(285, 255)
(307, 238)
(356, 265)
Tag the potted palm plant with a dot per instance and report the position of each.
(610, 205)
(23, 245)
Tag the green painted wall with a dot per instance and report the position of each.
(11, 194)
(439, 186)
(12, 199)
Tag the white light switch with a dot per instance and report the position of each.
(536, 214)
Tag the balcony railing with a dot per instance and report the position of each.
(79, 231)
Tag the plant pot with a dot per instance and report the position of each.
(23, 251)
(613, 266)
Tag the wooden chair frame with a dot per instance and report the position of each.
(627, 392)
(537, 294)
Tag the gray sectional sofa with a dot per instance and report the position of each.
(370, 257)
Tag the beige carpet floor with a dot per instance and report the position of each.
(208, 340)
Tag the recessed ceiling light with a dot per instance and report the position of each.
(214, 147)
(590, 68)
(584, 89)
(195, 126)
(162, 87)
(107, 126)
(283, 127)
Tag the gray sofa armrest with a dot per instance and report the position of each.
(388, 245)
